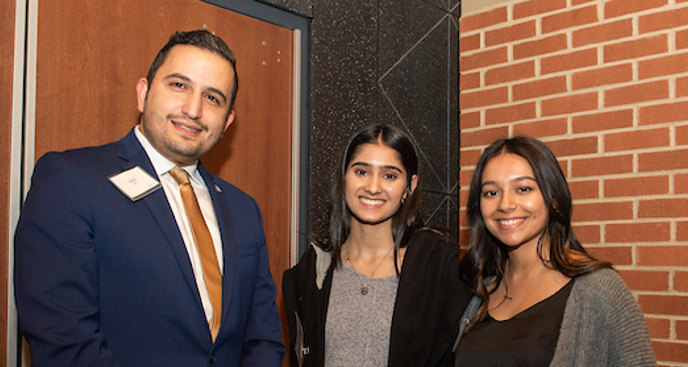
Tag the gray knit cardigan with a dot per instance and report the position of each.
(602, 325)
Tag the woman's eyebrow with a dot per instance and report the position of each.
(365, 164)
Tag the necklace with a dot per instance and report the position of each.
(364, 285)
(505, 298)
(506, 292)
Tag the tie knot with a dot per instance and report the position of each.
(179, 175)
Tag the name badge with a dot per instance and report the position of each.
(135, 183)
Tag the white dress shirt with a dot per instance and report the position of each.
(162, 167)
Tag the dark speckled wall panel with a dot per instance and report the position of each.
(345, 95)
(386, 61)
(453, 6)
(420, 87)
(302, 7)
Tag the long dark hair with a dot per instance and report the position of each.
(406, 220)
(486, 255)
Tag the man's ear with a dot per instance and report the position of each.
(230, 119)
(142, 93)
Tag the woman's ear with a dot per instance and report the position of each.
(412, 185)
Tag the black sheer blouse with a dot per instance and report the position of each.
(527, 339)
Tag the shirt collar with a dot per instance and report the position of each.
(162, 165)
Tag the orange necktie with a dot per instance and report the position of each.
(204, 245)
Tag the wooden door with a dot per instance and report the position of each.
(91, 54)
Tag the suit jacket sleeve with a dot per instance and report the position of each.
(262, 344)
(56, 272)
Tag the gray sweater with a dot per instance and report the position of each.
(602, 325)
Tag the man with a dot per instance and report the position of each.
(117, 258)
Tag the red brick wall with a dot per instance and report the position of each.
(605, 85)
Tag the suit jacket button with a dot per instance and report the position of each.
(213, 359)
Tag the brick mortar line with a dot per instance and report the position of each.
(635, 246)
(650, 103)
(670, 32)
(651, 268)
(579, 157)
(570, 73)
(599, 88)
(660, 293)
(622, 176)
(622, 221)
(673, 317)
(587, 134)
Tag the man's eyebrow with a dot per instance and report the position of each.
(218, 92)
(187, 79)
(178, 76)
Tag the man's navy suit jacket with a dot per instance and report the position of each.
(104, 281)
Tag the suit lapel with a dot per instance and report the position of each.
(132, 151)
(224, 221)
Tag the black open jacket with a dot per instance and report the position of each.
(427, 311)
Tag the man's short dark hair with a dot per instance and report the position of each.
(203, 40)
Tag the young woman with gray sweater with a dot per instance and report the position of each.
(541, 299)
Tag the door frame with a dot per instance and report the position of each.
(300, 114)
(23, 133)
